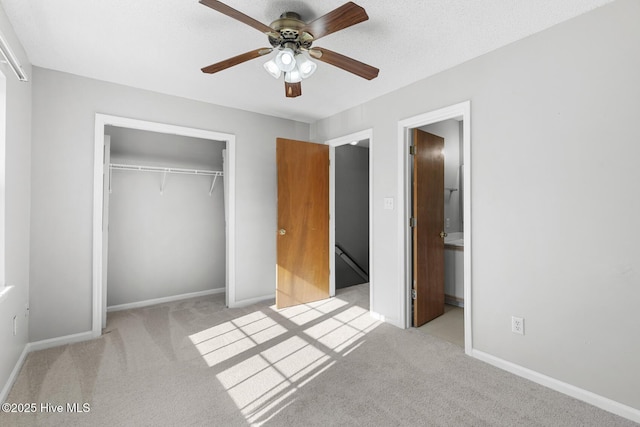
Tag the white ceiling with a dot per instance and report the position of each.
(160, 45)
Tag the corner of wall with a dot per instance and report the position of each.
(14, 313)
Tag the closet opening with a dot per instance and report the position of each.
(163, 218)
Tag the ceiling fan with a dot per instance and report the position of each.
(292, 38)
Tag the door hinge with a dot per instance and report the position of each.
(414, 294)
(412, 222)
(412, 150)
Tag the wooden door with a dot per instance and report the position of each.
(303, 222)
(428, 229)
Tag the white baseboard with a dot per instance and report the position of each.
(601, 402)
(454, 300)
(40, 345)
(55, 342)
(249, 301)
(392, 321)
(163, 300)
(14, 374)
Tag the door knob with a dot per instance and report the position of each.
(282, 232)
(443, 235)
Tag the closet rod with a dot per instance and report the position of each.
(165, 171)
(118, 166)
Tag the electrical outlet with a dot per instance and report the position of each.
(517, 325)
(388, 203)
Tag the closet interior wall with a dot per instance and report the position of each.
(166, 233)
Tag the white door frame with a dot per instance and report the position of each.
(333, 143)
(103, 120)
(457, 111)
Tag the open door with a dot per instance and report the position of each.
(303, 222)
(428, 227)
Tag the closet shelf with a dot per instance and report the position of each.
(118, 166)
(164, 171)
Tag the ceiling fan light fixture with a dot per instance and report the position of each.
(273, 69)
(306, 66)
(292, 38)
(285, 59)
(293, 76)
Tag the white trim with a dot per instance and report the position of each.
(381, 317)
(103, 120)
(333, 143)
(250, 301)
(560, 386)
(230, 241)
(463, 110)
(3, 179)
(155, 301)
(14, 374)
(56, 342)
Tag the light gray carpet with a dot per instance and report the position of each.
(449, 326)
(194, 362)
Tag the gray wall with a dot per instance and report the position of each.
(17, 207)
(168, 244)
(352, 211)
(64, 108)
(554, 152)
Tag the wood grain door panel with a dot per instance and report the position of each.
(303, 222)
(428, 211)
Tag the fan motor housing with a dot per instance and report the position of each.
(289, 28)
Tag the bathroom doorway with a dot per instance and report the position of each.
(448, 324)
(453, 125)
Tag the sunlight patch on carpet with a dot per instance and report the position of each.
(232, 338)
(269, 355)
(305, 313)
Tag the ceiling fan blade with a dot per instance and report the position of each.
(235, 14)
(292, 89)
(338, 19)
(223, 65)
(348, 64)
